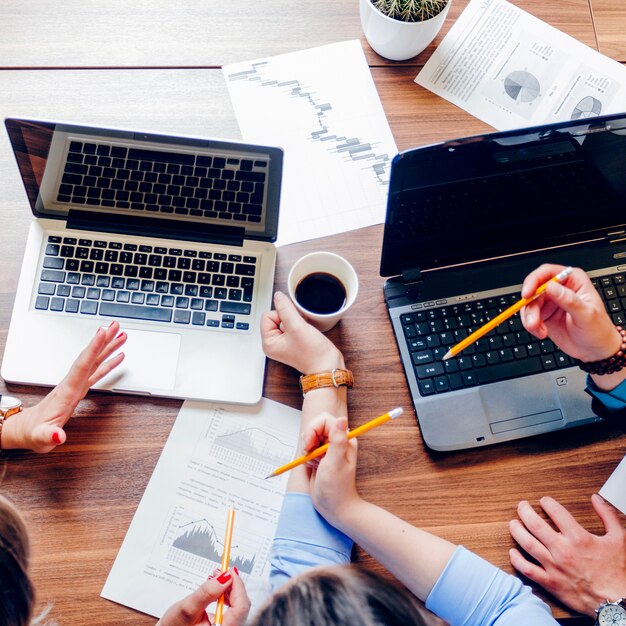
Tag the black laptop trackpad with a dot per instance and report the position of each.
(533, 402)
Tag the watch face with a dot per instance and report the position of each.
(612, 615)
(9, 402)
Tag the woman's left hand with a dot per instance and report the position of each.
(191, 610)
(40, 428)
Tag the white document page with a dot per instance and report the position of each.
(320, 106)
(216, 456)
(511, 70)
(614, 489)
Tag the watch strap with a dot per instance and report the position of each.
(335, 378)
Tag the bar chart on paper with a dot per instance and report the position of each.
(322, 108)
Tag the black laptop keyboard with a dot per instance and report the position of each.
(164, 182)
(174, 285)
(506, 352)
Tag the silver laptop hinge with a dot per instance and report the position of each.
(618, 236)
(413, 275)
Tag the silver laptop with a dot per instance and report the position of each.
(171, 236)
(466, 221)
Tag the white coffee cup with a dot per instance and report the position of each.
(315, 284)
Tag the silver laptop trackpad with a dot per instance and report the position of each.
(151, 362)
(533, 402)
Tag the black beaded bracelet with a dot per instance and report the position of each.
(607, 366)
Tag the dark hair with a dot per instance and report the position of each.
(17, 595)
(341, 596)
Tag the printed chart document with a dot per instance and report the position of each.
(511, 70)
(614, 489)
(322, 108)
(216, 456)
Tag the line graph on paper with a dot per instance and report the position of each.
(321, 106)
(244, 446)
(191, 542)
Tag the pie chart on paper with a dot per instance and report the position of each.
(522, 86)
(586, 108)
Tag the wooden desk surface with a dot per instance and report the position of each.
(79, 500)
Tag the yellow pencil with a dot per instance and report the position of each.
(391, 415)
(502, 317)
(219, 612)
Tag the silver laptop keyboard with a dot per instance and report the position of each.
(170, 285)
(508, 351)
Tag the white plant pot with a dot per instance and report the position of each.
(397, 40)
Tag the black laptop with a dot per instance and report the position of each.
(466, 221)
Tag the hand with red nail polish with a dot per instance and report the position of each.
(40, 428)
(191, 611)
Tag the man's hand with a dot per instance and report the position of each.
(191, 610)
(40, 428)
(580, 569)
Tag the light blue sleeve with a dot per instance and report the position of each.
(473, 592)
(613, 400)
(304, 539)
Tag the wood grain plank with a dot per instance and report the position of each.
(192, 33)
(609, 19)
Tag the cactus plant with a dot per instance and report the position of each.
(410, 10)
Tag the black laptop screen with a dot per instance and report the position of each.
(505, 193)
(107, 175)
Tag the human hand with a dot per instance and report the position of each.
(579, 568)
(289, 339)
(572, 314)
(40, 428)
(333, 483)
(191, 610)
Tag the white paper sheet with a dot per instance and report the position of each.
(614, 489)
(215, 456)
(321, 106)
(511, 70)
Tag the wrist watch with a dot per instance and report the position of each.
(335, 378)
(612, 613)
(8, 406)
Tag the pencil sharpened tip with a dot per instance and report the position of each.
(447, 355)
(269, 476)
(397, 412)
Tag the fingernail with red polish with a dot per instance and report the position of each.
(56, 438)
(111, 324)
(120, 335)
(224, 578)
(235, 570)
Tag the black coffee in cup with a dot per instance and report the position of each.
(321, 293)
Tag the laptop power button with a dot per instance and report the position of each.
(561, 380)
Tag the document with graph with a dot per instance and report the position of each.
(321, 106)
(216, 456)
(511, 70)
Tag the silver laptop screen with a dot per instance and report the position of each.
(107, 173)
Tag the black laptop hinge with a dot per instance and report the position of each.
(617, 236)
(412, 275)
(155, 227)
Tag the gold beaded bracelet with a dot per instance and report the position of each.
(607, 366)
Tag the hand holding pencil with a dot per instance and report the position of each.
(506, 314)
(572, 314)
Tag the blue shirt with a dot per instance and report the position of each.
(469, 592)
(613, 400)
